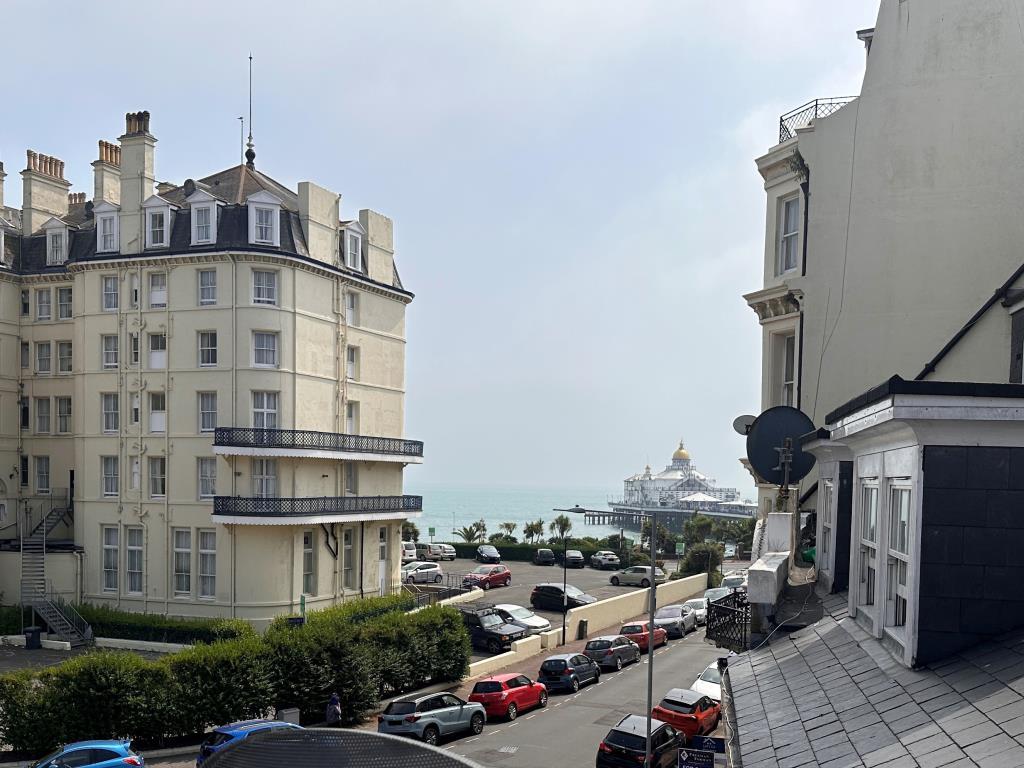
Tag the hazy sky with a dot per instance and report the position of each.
(572, 183)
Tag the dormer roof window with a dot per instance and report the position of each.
(107, 227)
(56, 232)
(158, 216)
(352, 237)
(204, 217)
(264, 219)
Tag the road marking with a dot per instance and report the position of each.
(529, 716)
(475, 738)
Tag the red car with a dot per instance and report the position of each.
(688, 712)
(507, 695)
(638, 632)
(487, 576)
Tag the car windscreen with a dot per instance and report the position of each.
(732, 581)
(553, 665)
(697, 605)
(490, 620)
(520, 613)
(488, 686)
(715, 594)
(625, 740)
(400, 708)
(216, 739)
(712, 675)
(599, 645)
(488, 550)
(571, 591)
(482, 569)
(574, 553)
(677, 706)
(46, 759)
(669, 612)
(631, 629)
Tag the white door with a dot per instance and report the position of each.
(382, 565)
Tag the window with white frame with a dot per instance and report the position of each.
(868, 541)
(353, 252)
(42, 474)
(351, 418)
(351, 479)
(382, 544)
(157, 476)
(352, 362)
(207, 563)
(136, 408)
(43, 415)
(64, 309)
(182, 560)
(26, 310)
(264, 349)
(136, 473)
(789, 234)
(109, 407)
(264, 286)
(133, 296)
(824, 550)
(133, 344)
(352, 308)
(207, 411)
(349, 561)
(207, 477)
(157, 411)
(44, 307)
(264, 410)
(133, 559)
(110, 293)
(264, 232)
(108, 467)
(55, 247)
(308, 563)
(898, 561)
(157, 290)
(64, 356)
(207, 287)
(110, 351)
(111, 557)
(156, 229)
(202, 229)
(42, 357)
(264, 478)
(264, 214)
(26, 354)
(207, 349)
(157, 350)
(106, 231)
(784, 368)
(64, 415)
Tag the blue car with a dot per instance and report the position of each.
(92, 754)
(229, 734)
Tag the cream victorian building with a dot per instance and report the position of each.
(201, 391)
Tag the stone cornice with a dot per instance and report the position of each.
(774, 303)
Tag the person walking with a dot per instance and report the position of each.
(333, 715)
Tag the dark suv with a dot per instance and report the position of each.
(489, 631)
(548, 597)
(487, 553)
(626, 744)
(544, 557)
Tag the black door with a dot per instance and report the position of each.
(844, 513)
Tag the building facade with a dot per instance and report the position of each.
(201, 390)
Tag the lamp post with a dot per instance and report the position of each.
(577, 510)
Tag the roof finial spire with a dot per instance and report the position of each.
(250, 153)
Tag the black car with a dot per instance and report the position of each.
(489, 631)
(548, 597)
(574, 559)
(568, 671)
(485, 553)
(626, 744)
(544, 557)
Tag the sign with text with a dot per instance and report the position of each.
(430, 531)
(708, 743)
(695, 758)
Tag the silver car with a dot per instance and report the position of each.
(431, 717)
(639, 575)
(448, 552)
(604, 559)
(699, 606)
(422, 573)
(612, 651)
(523, 617)
(677, 620)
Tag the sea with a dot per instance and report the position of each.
(447, 508)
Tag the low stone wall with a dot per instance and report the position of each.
(139, 645)
(19, 641)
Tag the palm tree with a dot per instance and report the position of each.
(473, 533)
(532, 531)
(560, 527)
(508, 528)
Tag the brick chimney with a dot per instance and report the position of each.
(106, 174)
(44, 191)
(137, 178)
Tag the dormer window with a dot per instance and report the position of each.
(106, 228)
(353, 252)
(158, 222)
(264, 225)
(264, 219)
(56, 242)
(202, 224)
(204, 217)
(157, 229)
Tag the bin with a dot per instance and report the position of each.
(581, 629)
(32, 638)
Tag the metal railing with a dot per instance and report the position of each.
(248, 437)
(314, 505)
(728, 623)
(802, 116)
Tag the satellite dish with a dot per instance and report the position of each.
(768, 433)
(742, 424)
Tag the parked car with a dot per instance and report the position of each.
(604, 559)
(568, 671)
(638, 575)
(487, 576)
(548, 597)
(709, 683)
(425, 552)
(689, 712)
(507, 695)
(408, 551)
(612, 651)
(422, 573)
(523, 617)
(448, 551)
(699, 606)
(677, 620)
(489, 631)
(626, 744)
(485, 553)
(574, 559)
(432, 716)
(730, 550)
(716, 594)
(219, 738)
(94, 754)
(543, 557)
(734, 583)
(639, 632)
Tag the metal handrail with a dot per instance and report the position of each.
(802, 116)
(67, 610)
(249, 437)
(315, 505)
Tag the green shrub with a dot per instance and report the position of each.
(349, 613)
(127, 625)
(10, 619)
(701, 558)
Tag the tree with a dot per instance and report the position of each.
(533, 531)
(700, 558)
(409, 531)
(615, 543)
(508, 529)
(473, 533)
(559, 528)
(497, 539)
(664, 537)
(697, 529)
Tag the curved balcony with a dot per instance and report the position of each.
(308, 444)
(312, 510)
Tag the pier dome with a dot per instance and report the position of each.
(681, 453)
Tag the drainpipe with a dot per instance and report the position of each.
(231, 422)
(362, 554)
(79, 569)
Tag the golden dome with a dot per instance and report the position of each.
(681, 453)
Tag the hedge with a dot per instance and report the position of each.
(10, 620)
(364, 651)
(127, 625)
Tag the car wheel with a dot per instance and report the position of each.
(645, 583)
(597, 676)
(410, 580)
(431, 734)
(508, 581)
(543, 699)
(476, 723)
(512, 712)
(615, 581)
(575, 685)
(618, 663)
(437, 579)
(493, 646)
(485, 586)
(637, 657)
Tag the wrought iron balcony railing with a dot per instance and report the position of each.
(801, 117)
(248, 437)
(247, 506)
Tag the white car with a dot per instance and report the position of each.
(736, 582)
(422, 573)
(448, 552)
(639, 575)
(408, 552)
(699, 606)
(523, 617)
(604, 559)
(709, 683)
(730, 550)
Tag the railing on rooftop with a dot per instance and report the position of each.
(728, 622)
(248, 437)
(249, 506)
(801, 117)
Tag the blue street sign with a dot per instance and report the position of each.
(695, 758)
(709, 743)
